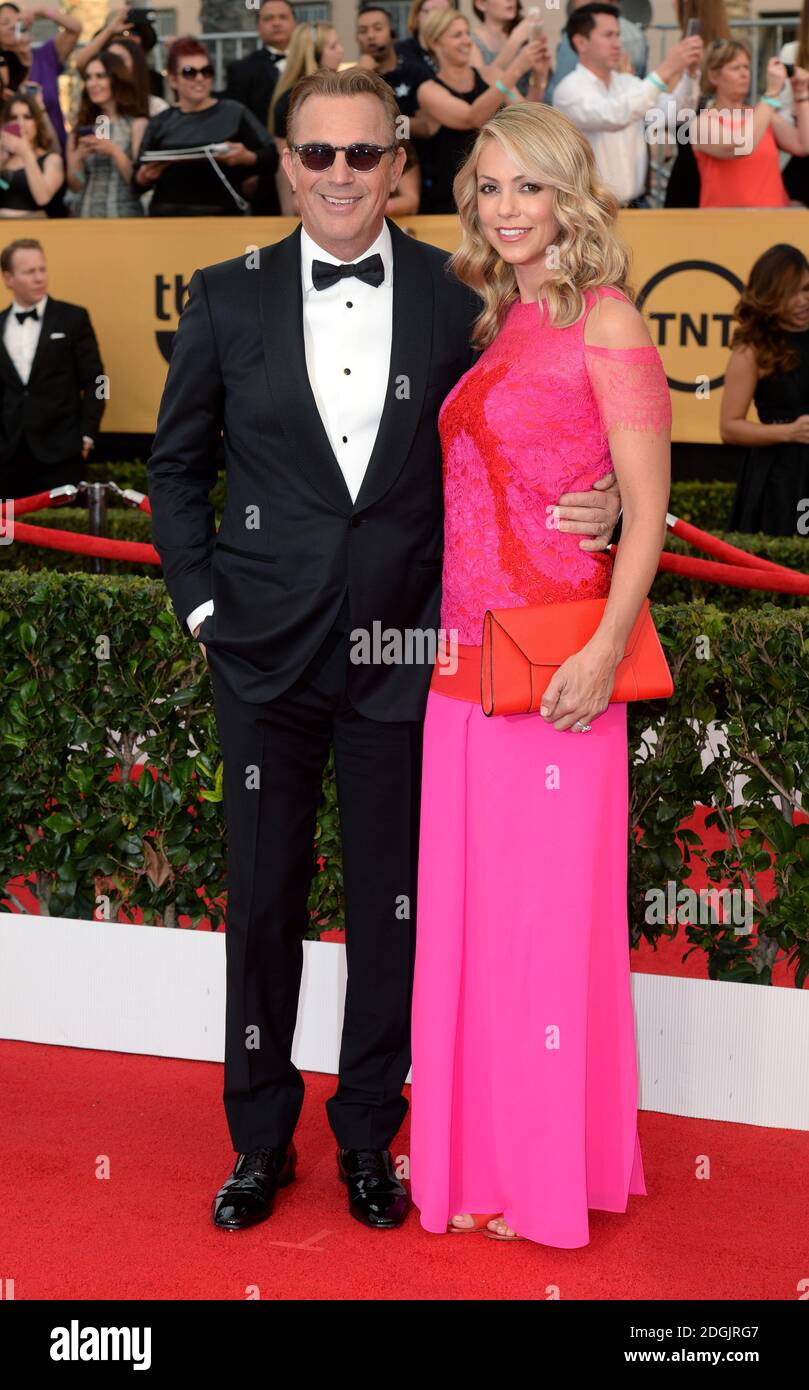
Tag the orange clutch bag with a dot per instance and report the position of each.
(522, 647)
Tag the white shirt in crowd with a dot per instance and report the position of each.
(21, 339)
(281, 58)
(347, 334)
(613, 119)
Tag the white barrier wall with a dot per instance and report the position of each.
(707, 1049)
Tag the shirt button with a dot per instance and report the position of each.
(345, 438)
(349, 304)
(347, 371)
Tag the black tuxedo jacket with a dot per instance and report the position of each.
(251, 81)
(238, 368)
(58, 403)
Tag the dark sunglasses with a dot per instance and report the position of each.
(361, 158)
(188, 71)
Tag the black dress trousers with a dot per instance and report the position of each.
(274, 754)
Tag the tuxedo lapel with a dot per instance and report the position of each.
(48, 324)
(281, 297)
(6, 365)
(409, 366)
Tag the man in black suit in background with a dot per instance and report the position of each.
(252, 80)
(50, 379)
(323, 363)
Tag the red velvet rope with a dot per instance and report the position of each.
(79, 544)
(702, 540)
(735, 576)
(37, 503)
(749, 571)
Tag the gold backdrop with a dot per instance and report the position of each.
(688, 267)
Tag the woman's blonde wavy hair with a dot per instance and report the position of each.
(550, 150)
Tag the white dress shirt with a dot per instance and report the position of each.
(347, 335)
(21, 339)
(613, 119)
(281, 58)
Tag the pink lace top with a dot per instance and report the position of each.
(529, 421)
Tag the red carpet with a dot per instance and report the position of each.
(145, 1231)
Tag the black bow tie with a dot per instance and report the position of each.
(273, 56)
(24, 314)
(371, 270)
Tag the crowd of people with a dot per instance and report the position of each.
(140, 142)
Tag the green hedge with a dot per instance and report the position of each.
(98, 674)
(745, 673)
(704, 504)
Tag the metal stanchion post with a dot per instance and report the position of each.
(97, 520)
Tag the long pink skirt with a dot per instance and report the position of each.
(524, 1095)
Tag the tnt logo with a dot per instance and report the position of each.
(689, 309)
(169, 295)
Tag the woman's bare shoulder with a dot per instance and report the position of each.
(614, 322)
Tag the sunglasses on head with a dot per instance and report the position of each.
(188, 71)
(361, 158)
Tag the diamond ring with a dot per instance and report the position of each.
(582, 728)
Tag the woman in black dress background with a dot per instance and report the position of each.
(203, 187)
(769, 365)
(459, 101)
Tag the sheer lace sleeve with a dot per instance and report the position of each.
(630, 388)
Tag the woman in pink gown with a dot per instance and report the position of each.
(524, 1099)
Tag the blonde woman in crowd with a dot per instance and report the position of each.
(682, 185)
(413, 48)
(460, 98)
(736, 144)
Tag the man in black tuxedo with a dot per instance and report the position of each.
(324, 366)
(252, 80)
(51, 379)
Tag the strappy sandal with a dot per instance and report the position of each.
(478, 1223)
(495, 1235)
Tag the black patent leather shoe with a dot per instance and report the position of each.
(375, 1195)
(247, 1196)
